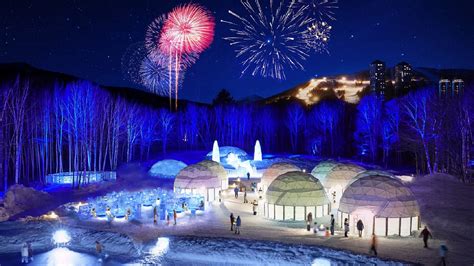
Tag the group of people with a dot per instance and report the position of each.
(235, 224)
(26, 252)
(425, 234)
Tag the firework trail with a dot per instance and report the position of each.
(188, 30)
(154, 76)
(321, 10)
(153, 37)
(269, 38)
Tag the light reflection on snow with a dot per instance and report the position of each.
(64, 257)
(161, 247)
(321, 262)
(61, 237)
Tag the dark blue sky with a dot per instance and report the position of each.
(88, 39)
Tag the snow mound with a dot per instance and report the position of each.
(19, 199)
(14, 234)
(166, 168)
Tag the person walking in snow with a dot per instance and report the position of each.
(443, 250)
(154, 215)
(232, 220)
(332, 224)
(346, 227)
(360, 227)
(237, 225)
(24, 253)
(248, 176)
(236, 192)
(175, 216)
(220, 195)
(245, 197)
(98, 249)
(30, 251)
(373, 245)
(426, 234)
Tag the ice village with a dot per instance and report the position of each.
(236, 132)
(271, 209)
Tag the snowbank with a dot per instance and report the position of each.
(166, 168)
(14, 234)
(19, 199)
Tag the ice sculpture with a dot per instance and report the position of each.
(257, 155)
(216, 157)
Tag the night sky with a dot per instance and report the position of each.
(88, 38)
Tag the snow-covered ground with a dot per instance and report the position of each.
(446, 208)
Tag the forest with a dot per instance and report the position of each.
(78, 126)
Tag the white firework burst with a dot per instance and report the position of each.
(269, 38)
(317, 36)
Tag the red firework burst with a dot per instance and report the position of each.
(188, 29)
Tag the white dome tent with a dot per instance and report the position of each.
(373, 172)
(337, 179)
(199, 179)
(166, 168)
(384, 204)
(275, 170)
(323, 168)
(291, 196)
(217, 168)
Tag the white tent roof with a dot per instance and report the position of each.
(382, 195)
(340, 175)
(197, 176)
(166, 168)
(216, 168)
(323, 168)
(373, 172)
(296, 189)
(275, 170)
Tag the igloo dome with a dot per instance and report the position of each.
(323, 168)
(199, 179)
(340, 175)
(217, 168)
(383, 203)
(337, 179)
(166, 168)
(373, 172)
(274, 171)
(292, 195)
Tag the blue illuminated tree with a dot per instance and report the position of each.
(390, 132)
(419, 120)
(166, 121)
(294, 122)
(368, 125)
(325, 119)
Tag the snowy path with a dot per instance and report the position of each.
(445, 206)
(215, 223)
